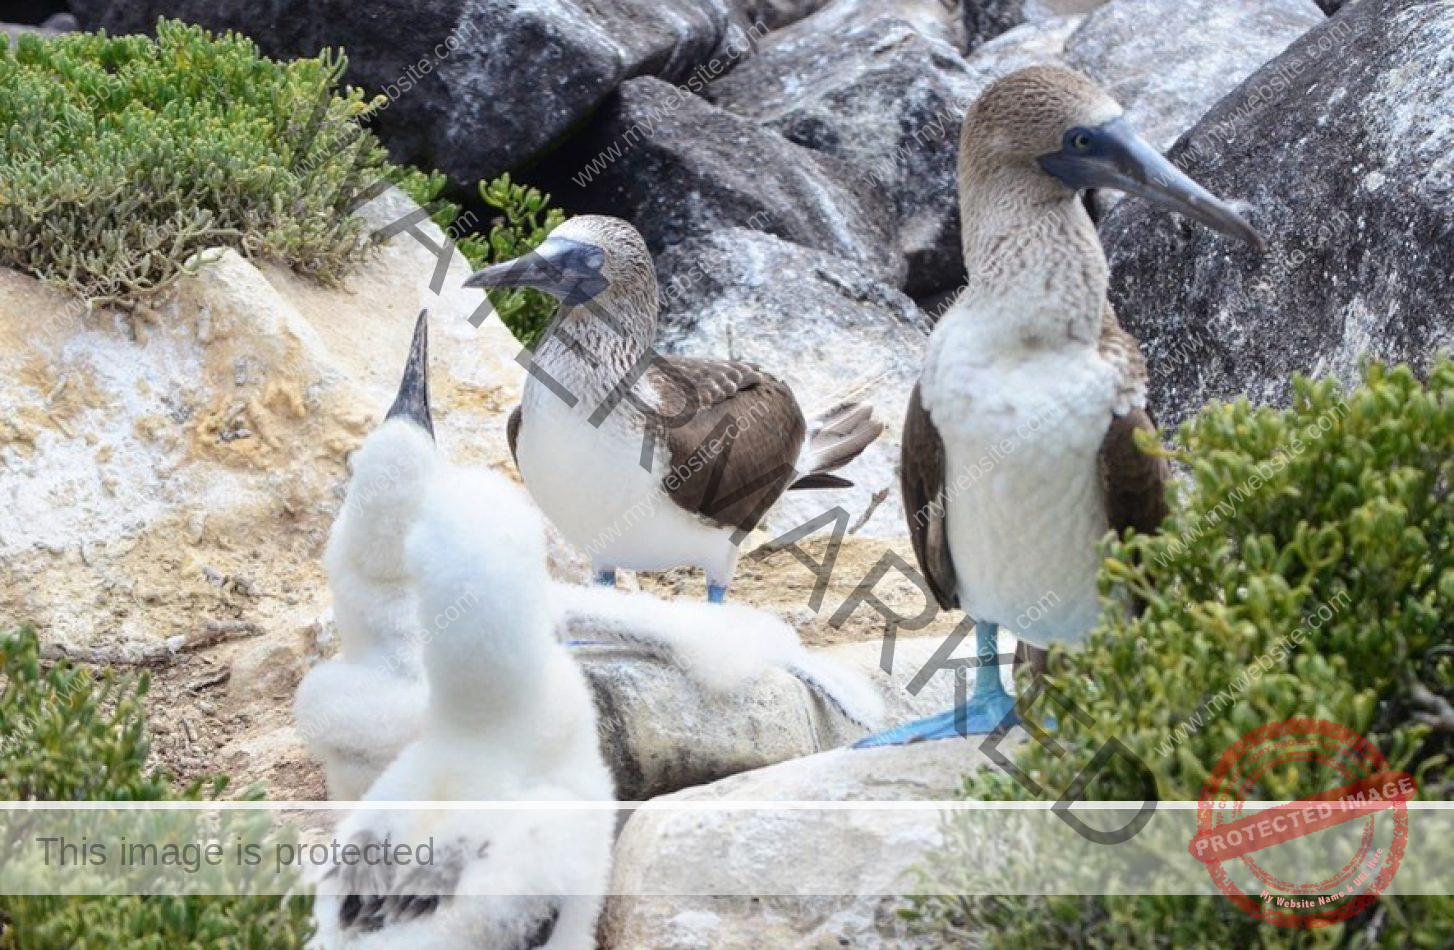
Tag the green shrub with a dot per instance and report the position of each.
(1343, 549)
(123, 156)
(526, 218)
(68, 734)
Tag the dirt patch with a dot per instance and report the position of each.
(200, 728)
(780, 583)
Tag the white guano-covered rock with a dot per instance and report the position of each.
(752, 877)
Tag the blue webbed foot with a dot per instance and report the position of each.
(716, 594)
(987, 709)
(983, 714)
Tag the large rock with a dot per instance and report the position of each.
(983, 20)
(661, 731)
(739, 878)
(826, 327)
(776, 14)
(1038, 41)
(53, 25)
(1341, 146)
(180, 465)
(476, 86)
(888, 100)
(676, 167)
(933, 18)
(1167, 63)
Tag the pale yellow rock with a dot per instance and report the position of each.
(211, 427)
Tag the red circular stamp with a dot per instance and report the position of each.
(1228, 835)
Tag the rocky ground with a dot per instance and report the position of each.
(228, 708)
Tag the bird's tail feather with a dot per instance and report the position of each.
(722, 646)
(836, 438)
(845, 690)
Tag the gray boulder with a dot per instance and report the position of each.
(983, 20)
(53, 25)
(933, 18)
(887, 100)
(661, 731)
(476, 86)
(732, 872)
(676, 166)
(776, 14)
(1341, 147)
(1167, 63)
(828, 328)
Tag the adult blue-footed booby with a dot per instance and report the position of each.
(358, 710)
(650, 462)
(1032, 355)
(510, 718)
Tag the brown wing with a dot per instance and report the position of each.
(921, 478)
(512, 434)
(735, 456)
(1132, 482)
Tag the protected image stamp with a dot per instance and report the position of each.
(1227, 831)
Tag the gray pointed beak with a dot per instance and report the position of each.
(568, 270)
(412, 402)
(1114, 156)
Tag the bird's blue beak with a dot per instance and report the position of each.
(567, 270)
(1114, 156)
(412, 402)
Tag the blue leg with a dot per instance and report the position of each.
(988, 708)
(716, 594)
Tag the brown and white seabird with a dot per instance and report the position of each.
(1031, 367)
(651, 462)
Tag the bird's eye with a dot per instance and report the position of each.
(595, 257)
(1078, 139)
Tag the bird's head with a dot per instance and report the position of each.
(390, 472)
(585, 258)
(1056, 129)
(412, 401)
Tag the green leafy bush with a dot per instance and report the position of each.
(121, 157)
(525, 219)
(69, 735)
(1318, 538)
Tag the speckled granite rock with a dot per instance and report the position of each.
(1341, 148)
